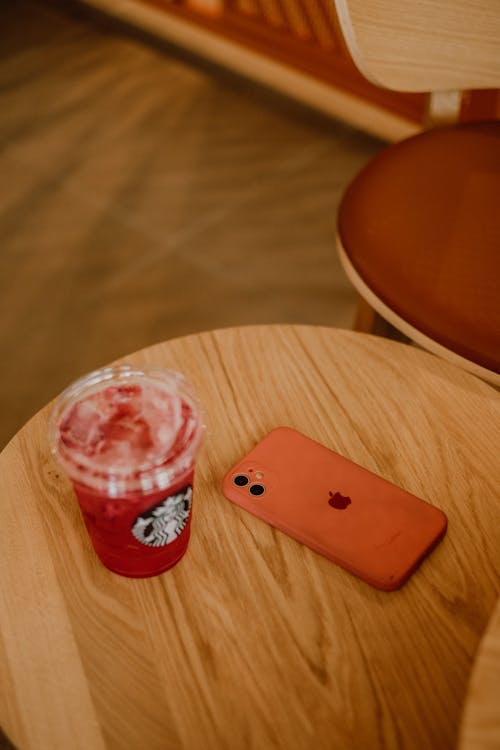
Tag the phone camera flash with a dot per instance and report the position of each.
(259, 475)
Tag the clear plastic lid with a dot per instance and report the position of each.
(124, 430)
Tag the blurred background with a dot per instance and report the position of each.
(148, 193)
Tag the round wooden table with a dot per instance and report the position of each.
(481, 717)
(253, 640)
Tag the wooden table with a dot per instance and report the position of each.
(481, 717)
(254, 641)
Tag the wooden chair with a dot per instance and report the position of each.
(419, 227)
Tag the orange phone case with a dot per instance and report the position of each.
(365, 524)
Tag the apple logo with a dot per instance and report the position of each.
(339, 501)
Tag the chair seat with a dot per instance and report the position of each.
(421, 227)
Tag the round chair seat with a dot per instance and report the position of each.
(420, 226)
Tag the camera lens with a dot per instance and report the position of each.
(257, 489)
(240, 480)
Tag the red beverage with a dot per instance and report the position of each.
(128, 438)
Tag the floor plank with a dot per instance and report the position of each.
(147, 195)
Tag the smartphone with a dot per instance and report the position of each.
(365, 524)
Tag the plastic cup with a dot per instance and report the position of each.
(128, 437)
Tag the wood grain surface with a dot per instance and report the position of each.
(253, 640)
(481, 717)
(424, 46)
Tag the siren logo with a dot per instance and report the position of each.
(162, 524)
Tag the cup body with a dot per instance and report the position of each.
(136, 503)
(142, 535)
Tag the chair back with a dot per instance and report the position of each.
(424, 45)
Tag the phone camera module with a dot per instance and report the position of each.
(257, 489)
(241, 480)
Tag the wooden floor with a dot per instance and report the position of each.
(146, 195)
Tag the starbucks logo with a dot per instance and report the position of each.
(163, 523)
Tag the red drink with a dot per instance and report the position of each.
(128, 439)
